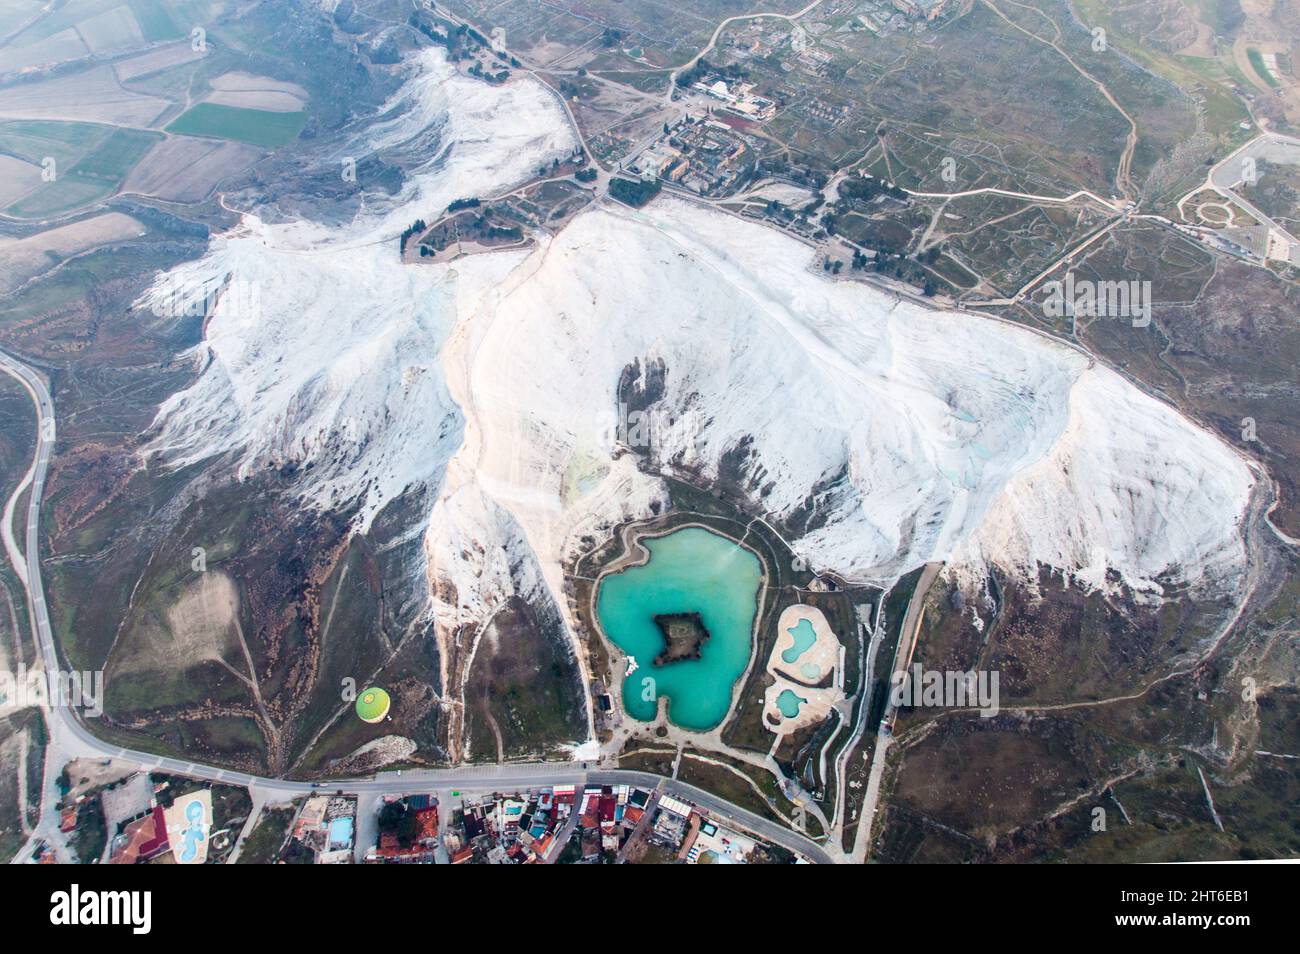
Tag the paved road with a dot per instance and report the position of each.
(717, 807)
(907, 636)
(44, 447)
(71, 736)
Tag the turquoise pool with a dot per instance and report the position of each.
(804, 636)
(789, 702)
(692, 570)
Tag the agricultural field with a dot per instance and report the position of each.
(256, 126)
(160, 21)
(245, 90)
(116, 98)
(23, 259)
(186, 169)
(89, 162)
(61, 48)
(156, 60)
(90, 96)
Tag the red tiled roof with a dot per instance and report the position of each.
(146, 838)
(428, 823)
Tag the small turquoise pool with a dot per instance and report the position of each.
(788, 702)
(341, 832)
(804, 636)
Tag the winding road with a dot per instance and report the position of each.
(70, 738)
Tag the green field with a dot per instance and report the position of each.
(33, 140)
(115, 156)
(91, 161)
(256, 126)
(1257, 63)
(55, 198)
(155, 22)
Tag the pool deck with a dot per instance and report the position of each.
(815, 708)
(826, 654)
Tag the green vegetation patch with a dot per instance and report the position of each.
(263, 844)
(90, 161)
(155, 22)
(64, 196)
(259, 127)
(1257, 64)
(66, 143)
(633, 192)
(90, 837)
(115, 156)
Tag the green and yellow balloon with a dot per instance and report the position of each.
(373, 704)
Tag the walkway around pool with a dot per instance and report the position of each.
(807, 668)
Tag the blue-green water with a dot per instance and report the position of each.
(788, 702)
(804, 636)
(692, 570)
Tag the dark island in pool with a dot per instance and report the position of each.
(685, 634)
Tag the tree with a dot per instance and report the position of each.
(635, 193)
(396, 819)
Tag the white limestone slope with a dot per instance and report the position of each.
(930, 435)
(907, 433)
(323, 355)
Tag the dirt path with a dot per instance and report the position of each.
(496, 731)
(274, 743)
(791, 17)
(1123, 181)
